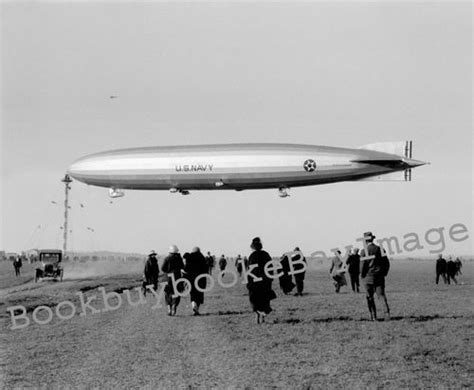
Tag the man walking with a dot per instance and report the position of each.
(451, 270)
(222, 263)
(172, 265)
(353, 267)
(374, 270)
(17, 264)
(151, 272)
(297, 255)
(210, 262)
(239, 265)
(441, 268)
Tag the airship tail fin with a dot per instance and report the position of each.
(392, 176)
(403, 165)
(399, 148)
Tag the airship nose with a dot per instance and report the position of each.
(75, 169)
(81, 168)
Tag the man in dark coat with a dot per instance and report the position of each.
(151, 272)
(222, 263)
(441, 268)
(239, 264)
(195, 266)
(297, 255)
(285, 280)
(17, 264)
(210, 261)
(374, 271)
(172, 264)
(451, 271)
(260, 292)
(353, 268)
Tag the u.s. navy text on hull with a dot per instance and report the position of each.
(194, 168)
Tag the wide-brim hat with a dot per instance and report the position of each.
(152, 253)
(368, 235)
(173, 249)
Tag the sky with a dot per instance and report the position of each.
(338, 74)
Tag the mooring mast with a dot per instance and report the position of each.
(66, 180)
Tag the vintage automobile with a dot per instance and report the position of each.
(50, 264)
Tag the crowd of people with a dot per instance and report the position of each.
(448, 270)
(371, 265)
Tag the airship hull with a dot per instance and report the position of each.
(231, 167)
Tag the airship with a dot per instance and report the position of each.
(238, 167)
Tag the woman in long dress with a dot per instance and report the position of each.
(260, 292)
(172, 264)
(195, 266)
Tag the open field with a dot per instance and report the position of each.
(320, 340)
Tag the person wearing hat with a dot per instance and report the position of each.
(353, 268)
(441, 265)
(337, 271)
(222, 263)
(238, 264)
(260, 291)
(374, 270)
(151, 272)
(297, 255)
(451, 270)
(210, 260)
(172, 264)
(285, 279)
(195, 266)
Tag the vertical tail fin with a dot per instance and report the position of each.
(404, 149)
(408, 154)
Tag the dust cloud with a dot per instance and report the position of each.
(91, 269)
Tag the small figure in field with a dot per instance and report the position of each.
(458, 266)
(246, 262)
(299, 277)
(239, 264)
(260, 291)
(338, 271)
(353, 268)
(172, 264)
(210, 261)
(286, 280)
(222, 263)
(151, 272)
(451, 271)
(441, 268)
(374, 270)
(195, 266)
(17, 264)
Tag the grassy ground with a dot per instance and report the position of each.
(320, 340)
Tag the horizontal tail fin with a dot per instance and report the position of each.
(392, 176)
(399, 148)
(403, 149)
